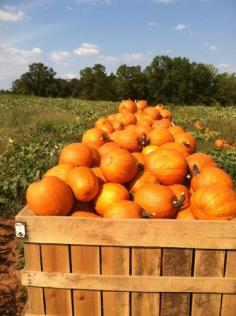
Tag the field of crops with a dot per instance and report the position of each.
(33, 130)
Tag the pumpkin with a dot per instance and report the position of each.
(148, 149)
(179, 189)
(142, 177)
(185, 215)
(49, 196)
(214, 202)
(131, 127)
(117, 125)
(96, 157)
(84, 214)
(152, 112)
(142, 104)
(177, 146)
(165, 114)
(95, 137)
(158, 200)
(201, 160)
(188, 140)
(220, 143)
(160, 136)
(104, 125)
(83, 183)
(108, 147)
(127, 106)
(175, 130)
(119, 166)
(164, 123)
(143, 130)
(139, 157)
(145, 121)
(77, 154)
(126, 119)
(210, 175)
(114, 136)
(123, 209)
(109, 194)
(60, 171)
(129, 140)
(98, 173)
(168, 165)
(111, 117)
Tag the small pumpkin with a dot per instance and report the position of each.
(77, 154)
(175, 130)
(201, 160)
(179, 190)
(60, 171)
(111, 117)
(126, 119)
(152, 112)
(85, 214)
(178, 147)
(129, 140)
(185, 215)
(95, 137)
(108, 147)
(142, 177)
(165, 114)
(142, 104)
(104, 125)
(163, 123)
(160, 136)
(127, 106)
(188, 140)
(220, 143)
(123, 209)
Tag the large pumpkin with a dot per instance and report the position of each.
(60, 171)
(127, 106)
(49, 196)
(188, 140)
(168, 165)
(119, 166)
(84, 183)
(77, 154)
(95, 137)
(160, 136)
(123, 209)
(108, 194)
(201, 160)
(214, 202)
(179, 190)
(142, 177)
(178, 147)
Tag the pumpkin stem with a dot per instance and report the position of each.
(196, 170)
(186, 144)
(140, 166)
(180, 202)
(143, 140)
(147, 214)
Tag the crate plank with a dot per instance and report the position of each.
(145, 261)
(129, 232)
(55, 258)
(86, 259)
(176, 262)
(229, 301)
(208, 263)
(115, 261)
(35, 303)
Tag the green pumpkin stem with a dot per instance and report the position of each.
(180, 202)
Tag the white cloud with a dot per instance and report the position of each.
(165, 1)
(12, 55)
(87, 49)
(222, 66)
(68, 76)
(180, 27)
(212, 47)
(108, 60)
(58, 56)
(10, 14)
(153, 23)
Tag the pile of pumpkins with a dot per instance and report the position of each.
(135, 164)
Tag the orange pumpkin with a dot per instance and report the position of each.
(214, 202)
(177, 146)
(95, 137)
(49, 196)
(164, 123)
(160, 136)
(168, 165)
(143, 130)
(152, 112)
(123, 209)
(108, 147)
(84, 214)
(127, 106)
(131, 127)
(220, 143)
(117, 125)
(119, 166)
(188, 140)
(165, 114)
(142, 104)
(142, 177)
(111, 117)
(77, 154)
(185, 215)
(126, 119)
(148, 149)
(109, 194)
(129, 140)
(179, 190)
(104, 125)
(201, 160)
(145, 121)
(83, 183)
(175, 130)
(60, 171)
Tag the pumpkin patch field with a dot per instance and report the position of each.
(112, 161)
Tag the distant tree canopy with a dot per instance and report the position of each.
(166, 79)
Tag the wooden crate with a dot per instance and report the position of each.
(102, 267)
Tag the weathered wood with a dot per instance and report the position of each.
(129, 232)
(176, 262)
(55, 258)
(123, 283)
(145, 262)
(115, 261)
(208, 263)
(229, 301)
(35, 303)
(86, 260)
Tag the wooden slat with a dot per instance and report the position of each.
(115, 261)
(176, 262)
(129, 232)
(134, 283)
(229, 301)
(85, 259)
(145, 262)
(35, 303)
(210, 264)
(55, 258)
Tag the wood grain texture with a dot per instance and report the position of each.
(208, 263)
(85, 259)
(35, 303)
(55, 258)
(145, 262)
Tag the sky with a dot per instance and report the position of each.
(69, 35)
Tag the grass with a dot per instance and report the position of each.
(33, 131)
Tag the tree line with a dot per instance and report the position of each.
(166, 80)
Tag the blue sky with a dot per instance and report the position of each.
(71, 34)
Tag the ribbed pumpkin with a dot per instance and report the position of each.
(59, 171)
(164, 123)
(108, 194)
(129, 140)
(211, 175)
(77, 154)
(175, 130)
(108, 147)
(119, 166)
(95, 137)
(185, 215)
(139, 157)
(84, 214)
(126, 119)
(127, 106)
(214, 202)
(201, 160)
(49, 196)
(83, 183)
(142, 104)
(165, 114)
(179, 190)
(158, 200)
(168, 165)
(160, 136)
(96, 157)
(104, 125)
(177, 146)
(142, 177)
(123, 209)
(188, 140)
(98, 173)
(152, 112)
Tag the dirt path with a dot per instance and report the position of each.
(12, 295)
